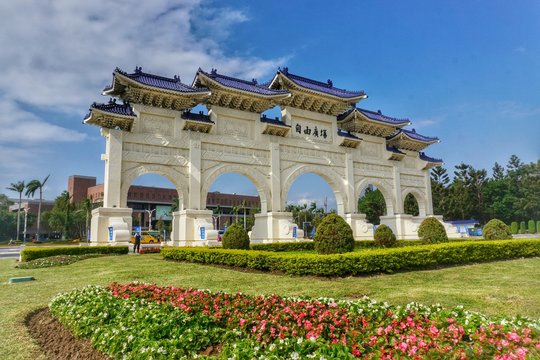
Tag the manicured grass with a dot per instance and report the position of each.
(500, 288)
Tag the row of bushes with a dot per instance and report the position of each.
(522, 228)
(41, 252)
(360, 263)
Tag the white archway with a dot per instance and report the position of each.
(254, 176)
(334, 180)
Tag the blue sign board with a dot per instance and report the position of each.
(294, 235)
(203, 232)
(111, 233)
(137, 229)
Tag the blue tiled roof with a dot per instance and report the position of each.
(323, 87)
(114, 108)
(424, 157)
(347, 134)
(380, 117)
(157, 81)
(274, 121)
(394, 150)
(197, 117)
(239, 84)
(414, 135)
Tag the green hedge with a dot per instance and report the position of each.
(361, 263)
(358, 244)
(41, 252)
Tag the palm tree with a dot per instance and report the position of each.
(31, 188)
(86, 206)
(18, 187)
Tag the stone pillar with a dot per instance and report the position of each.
(111, 214)
(275, 178)
(362, 230)
(351, 206)
(398, 205)
(194, 196)
(429, 196)
(113, 167)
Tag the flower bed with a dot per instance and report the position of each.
(58, 260)
(127, 321)
(150, 250)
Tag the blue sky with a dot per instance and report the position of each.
(465, 71)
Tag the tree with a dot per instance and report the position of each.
(8, 222)
(60, 216)
(31, 189)
(439, 190)
(373, 205)
(18, 187)
(410, 205)
(498, 172)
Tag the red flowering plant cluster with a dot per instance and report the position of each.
(283, 327)
(150, 250)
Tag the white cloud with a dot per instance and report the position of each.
(58, 55)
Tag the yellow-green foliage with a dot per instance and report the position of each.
(384, 236)
(364, 262)
(235, 237)
(41, 252)
(495, 229)
(333, 236)
(432, 231)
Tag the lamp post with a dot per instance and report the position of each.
(25, 222)
(150, 212)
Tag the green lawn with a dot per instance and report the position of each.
(500, 288)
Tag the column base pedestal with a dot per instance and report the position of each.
(405, 226)
(117, 218)
(193, 228)
(275, 227)
(362, 230)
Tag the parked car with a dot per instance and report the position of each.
(147, 237)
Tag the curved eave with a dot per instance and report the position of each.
(109, 120)
(432, 164)
(291, 84)
(121, 81)
(360, 123)
(213, 84)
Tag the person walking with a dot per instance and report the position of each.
(137, 246)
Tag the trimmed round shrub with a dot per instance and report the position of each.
(431, 231)
(235, 237)
(522, 228)
(333, 236)
(514, 227)
(384, 236)
(495, 229)
(531, 227)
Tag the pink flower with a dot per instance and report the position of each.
(403, 346)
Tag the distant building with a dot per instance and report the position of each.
(156, 202)
(30, 207)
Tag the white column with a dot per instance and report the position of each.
(275, 178)
(350, 206)
(194, 196)
(398, 206)
(429, 197)
(113, 167)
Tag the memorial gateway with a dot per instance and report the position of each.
(321, 131)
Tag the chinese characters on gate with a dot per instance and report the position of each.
(315, 132)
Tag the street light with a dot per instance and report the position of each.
(25, 221)
(150, 212)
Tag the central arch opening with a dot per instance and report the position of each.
(372, 203)
(233, 198)
(153, 198)
(309, 199)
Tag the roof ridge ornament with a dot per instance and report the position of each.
(213, 71)
(254, 81)
(138, 69)
(330, 83)
(177, 78)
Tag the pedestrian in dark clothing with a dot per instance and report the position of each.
(137, 245)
